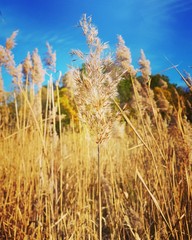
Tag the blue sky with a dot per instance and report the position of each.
(160, 28)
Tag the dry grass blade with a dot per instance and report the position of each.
(135, 235)
(60, 219)
(34, 118)
(131, 125)
(184, 79)
(154, 200)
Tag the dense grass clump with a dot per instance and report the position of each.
(146, 193)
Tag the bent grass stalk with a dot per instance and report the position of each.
(188, 83)
(132, 126)
(155, 201)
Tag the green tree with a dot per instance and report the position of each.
(125, 90)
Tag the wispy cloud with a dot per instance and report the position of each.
(165, 9)
(181, 6)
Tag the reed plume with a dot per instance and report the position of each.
(145, 68)
(18, 75)
(50, 59)
(37, 71)
(7, 61)
(10, 42)
(6, 56)
(27, 66)
(94, 89)
(123, 57)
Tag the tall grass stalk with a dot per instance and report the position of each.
(37, 123)
(93, 90)
(99, 190)
(17, 113)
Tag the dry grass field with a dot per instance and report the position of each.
(110, 175)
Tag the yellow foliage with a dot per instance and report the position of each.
(166, 93)
(67, 104)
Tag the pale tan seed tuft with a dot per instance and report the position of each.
(10, 42)
(145, 68)
(94, 88)
(37, 72)
(50, 59)
(123, 57)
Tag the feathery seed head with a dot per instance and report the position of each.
(123, 57)
(91, 34)
(69, 79)
(84, 24)
(94, 88)
(77, 53)
(145, 67)
(37, 72)
(10, 42)
(27, 64)
(3, 55)
(9, 62)
(6, 56)
(50, 59)
(7, 59)
(18, 75)
(123, 53)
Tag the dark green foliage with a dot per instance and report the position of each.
(155, 80)
(125, 90)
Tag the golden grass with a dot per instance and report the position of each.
(49, 184)
(144, 195)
